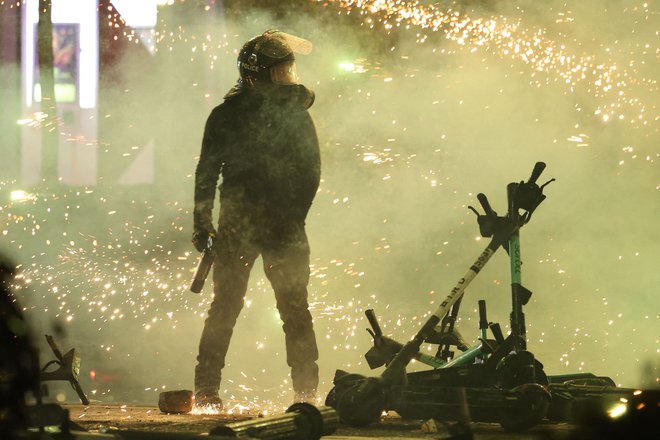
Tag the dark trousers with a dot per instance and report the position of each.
(286, 265)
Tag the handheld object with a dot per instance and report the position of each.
(203, 267)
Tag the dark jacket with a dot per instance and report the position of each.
(263, 143)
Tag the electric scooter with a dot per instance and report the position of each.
(508, 385)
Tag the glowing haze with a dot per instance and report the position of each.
(419, 108)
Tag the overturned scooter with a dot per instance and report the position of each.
(360, 400)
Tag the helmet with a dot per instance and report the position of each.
(264, 51)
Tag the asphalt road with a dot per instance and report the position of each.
(109, 418)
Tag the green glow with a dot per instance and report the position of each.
(347, 67)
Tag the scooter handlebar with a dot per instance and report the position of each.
(373, 321)
(536, 172)
(483, 320)
(486, 205)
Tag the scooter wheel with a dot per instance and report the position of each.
(518, 369)
(531, 407)
(361, 403)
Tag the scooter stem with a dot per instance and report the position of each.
(394, 371)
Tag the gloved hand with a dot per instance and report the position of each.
(201, 237)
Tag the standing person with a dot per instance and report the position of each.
(263, 143)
